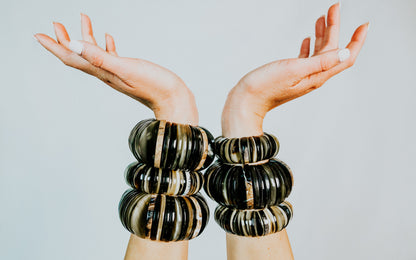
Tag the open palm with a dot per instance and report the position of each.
(280, 81)
(154, 86)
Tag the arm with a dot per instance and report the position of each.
(156, 87)
(139, 248)
(271, 85)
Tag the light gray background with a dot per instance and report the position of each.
(63, 134)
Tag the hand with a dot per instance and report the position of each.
(281, 81)
(156, 87)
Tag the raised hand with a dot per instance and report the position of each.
(280, 81)
(156, 87)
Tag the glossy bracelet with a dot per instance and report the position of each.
(149, 179)
(256, 222)
(164, 203)
(172, 146)
(249, 186)
(161, 217)
(246, 150)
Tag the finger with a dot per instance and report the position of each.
(72, 59)
(319, 63)
(65, 55)
(86, 29)
(61, 34)
(354, 46)
(110, 45)
(305, 47)
(331, 37)
(97, 56)
(319, 33)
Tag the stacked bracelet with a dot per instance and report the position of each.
(164, 203)
(172, 146)
(163, 181)
(253, 223)
(250, 185)
(246, 150)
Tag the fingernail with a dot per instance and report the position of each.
(343, 54)
(368, 26)
(34, 37)
(76, 46)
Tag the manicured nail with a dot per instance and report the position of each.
(34, 37)
(368, 26)
(343, 54)
(76, 46)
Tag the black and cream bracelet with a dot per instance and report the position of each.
(164, 204)
(167, 145)
(250, 185)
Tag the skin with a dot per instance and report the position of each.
(278, 82)
(272, 85)
(156, 87)
(258, 92)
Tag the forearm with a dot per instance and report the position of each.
(274, 246)
(144, 249)
(241, 117)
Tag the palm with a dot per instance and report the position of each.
(142, 80)
(278, 82)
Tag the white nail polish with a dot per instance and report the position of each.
(76, 46)
(343, 54)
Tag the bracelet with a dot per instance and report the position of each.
(249, 187)
(164, 204)
(161, 217)
(246, 150)
(253, 223)
(172, 146)
(149, 179)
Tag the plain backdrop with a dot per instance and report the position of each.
(63, 134)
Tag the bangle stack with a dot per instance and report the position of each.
(164, 203)
(250, 185)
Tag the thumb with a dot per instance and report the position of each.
(96, 56)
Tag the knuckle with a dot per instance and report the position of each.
(106, 78)
(325, 64)
(97, 60)
(350, 62)
(66, 60)
(313, 87)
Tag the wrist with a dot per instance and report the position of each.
(179, 108)
(242, 115)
